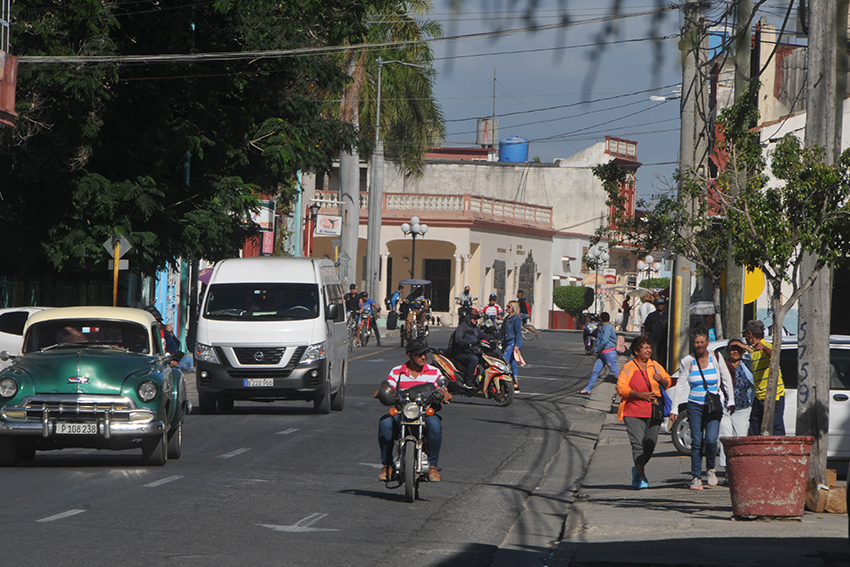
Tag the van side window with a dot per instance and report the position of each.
(333, 294)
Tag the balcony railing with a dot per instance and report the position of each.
(449, 207)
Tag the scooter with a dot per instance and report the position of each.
(465, 308)
(591, 329)
(493, 380)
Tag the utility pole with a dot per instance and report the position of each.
(734, 304)
(349, 185)
(692, 151)
(376, 205)
(826, 76)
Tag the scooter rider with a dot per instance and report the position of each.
(412, 373)
(466, 349)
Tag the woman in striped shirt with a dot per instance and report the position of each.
(696, 373)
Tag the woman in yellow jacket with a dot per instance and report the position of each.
(639, 386)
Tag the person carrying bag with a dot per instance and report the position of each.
(701, 378)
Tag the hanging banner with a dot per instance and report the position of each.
(8, 80)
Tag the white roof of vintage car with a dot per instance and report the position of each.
(93, 312)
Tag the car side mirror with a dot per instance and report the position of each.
(4, 356)
(332, 312)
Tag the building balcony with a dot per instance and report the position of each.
(448, 210)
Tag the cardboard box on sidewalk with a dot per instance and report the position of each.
(826, 497)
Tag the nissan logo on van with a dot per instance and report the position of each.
(259, 356)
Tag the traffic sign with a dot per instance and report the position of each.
(123, 246)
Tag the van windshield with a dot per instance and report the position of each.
(265, 302)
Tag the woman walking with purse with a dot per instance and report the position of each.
(640, 384)
(701, 378)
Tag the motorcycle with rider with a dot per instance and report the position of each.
(410, 435)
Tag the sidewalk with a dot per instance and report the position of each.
(611, 523)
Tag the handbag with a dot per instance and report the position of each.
(712, 400)
(667, 402)
(657, 406)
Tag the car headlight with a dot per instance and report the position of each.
(206, 353)
(147, 390)
(8, 387)
(313, 353)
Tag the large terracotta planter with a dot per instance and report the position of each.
(767, 475)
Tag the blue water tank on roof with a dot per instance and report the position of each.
(513, 149)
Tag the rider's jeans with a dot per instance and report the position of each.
(467, 361)
(388, 428)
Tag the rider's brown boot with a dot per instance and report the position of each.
(386, 473)
(433, 474)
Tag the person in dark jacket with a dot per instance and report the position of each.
(466, 339)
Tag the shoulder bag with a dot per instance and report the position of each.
(712, 400)
(657, 406)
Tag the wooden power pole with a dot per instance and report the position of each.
(826, 76)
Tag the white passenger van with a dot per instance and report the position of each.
(272, 329)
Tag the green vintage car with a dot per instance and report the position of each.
(92, 377)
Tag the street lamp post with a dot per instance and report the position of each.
(599, 256)
(414, 228)
(376, 194)
(311, 219)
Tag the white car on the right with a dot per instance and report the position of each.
(839, 395)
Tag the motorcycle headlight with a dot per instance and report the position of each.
(411, 410)
(147, 390)
(206, 353)
(313, 353)
(8, 387)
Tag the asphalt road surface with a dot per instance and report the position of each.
(276, 484)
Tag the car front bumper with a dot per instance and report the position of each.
(113, 416)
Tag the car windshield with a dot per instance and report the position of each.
(80, 333)
(265, 302)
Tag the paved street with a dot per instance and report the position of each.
(276, 484)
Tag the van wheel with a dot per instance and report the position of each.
(322, 404)
(206, 403)
(338, 399)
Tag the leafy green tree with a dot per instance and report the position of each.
(172, 156)
(573, 299)
(663, 225)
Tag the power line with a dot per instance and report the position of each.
(277, 53)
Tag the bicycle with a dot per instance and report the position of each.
(365, 329)
(529, 333)
(352, 331)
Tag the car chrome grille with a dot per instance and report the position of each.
(77, 407)
(259, 355)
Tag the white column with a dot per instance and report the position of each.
(382, 283)
(458, 286)
(466, 259)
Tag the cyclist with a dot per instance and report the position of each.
(492, 309)
(368, 308)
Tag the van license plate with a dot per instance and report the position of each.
(76, 428)
(259, 382)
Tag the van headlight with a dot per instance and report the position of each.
(313, 353)
(206, 353)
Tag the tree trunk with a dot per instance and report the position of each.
(349, 180)
(718, 316)
(776, 349)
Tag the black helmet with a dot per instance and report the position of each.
(352, 286)
(416, 346)
(364, 294)
(386, 393)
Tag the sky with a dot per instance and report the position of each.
(557, 88)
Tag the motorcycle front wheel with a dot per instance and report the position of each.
(364, 336)
(588, 346)
(409, 471)
(503, 395)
